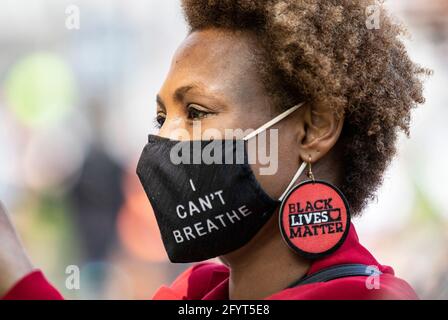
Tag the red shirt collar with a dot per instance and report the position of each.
(211, 281)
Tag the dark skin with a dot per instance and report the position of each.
(230, 94)
(214, 80)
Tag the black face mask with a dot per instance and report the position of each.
(205, 210)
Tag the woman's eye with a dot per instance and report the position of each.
(159, 120)
(195, 112)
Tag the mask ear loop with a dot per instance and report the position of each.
(270, 123)
(294, 179)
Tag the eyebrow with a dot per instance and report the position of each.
(178, 95)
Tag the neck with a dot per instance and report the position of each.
(264, 266)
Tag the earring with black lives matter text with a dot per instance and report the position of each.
(314, 216)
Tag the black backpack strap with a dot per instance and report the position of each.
(336, 272)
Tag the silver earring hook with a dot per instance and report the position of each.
(310, 171)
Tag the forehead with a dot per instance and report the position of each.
(219, 48)
(220, 60)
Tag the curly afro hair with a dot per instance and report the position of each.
(323, 51)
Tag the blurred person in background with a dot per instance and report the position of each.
(242, 64)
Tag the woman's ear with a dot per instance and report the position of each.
(320, 129)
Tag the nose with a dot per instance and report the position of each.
(176, 128)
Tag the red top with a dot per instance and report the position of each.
(210, 281)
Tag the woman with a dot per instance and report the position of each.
(343, 88)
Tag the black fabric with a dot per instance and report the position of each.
(336, 272)
(231, 189)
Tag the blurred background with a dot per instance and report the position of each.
(76, 105)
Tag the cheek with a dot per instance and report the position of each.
(275, 170)
(220, 122)
(233, 122)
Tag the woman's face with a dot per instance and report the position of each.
(213, 81)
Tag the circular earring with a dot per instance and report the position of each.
(314, 217)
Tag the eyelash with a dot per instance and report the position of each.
(160, 119)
